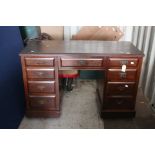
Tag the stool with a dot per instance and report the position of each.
(68, 76)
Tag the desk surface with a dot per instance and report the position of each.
(81, 47)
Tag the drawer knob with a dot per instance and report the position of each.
(132, 63)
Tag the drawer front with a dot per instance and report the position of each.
(41, 86)
(40, 73)
(119, 103)
(118, 62)
(81, 62)
(120, 89)
(115, 75)
(39, 61)
(42, 102)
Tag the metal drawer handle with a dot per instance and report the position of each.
(120, 102)
(40, 73)
(41, 102)
(82, 62)
(124, 62)
(41, 87)
(122, 75)
(40, 62)
(121, 88)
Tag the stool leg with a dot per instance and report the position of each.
(64, 83)
(69, 84)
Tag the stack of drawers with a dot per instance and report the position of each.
(121, 86)
(40, 84)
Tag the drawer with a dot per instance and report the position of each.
(116, 75)
(37, 73)
(39, 61)
(92, 62)
(41, 86)
(118, 62)
(120, 89)
(120, 103)
(42, 102)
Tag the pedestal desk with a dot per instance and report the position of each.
(116, 91)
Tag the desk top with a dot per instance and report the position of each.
(81, 47)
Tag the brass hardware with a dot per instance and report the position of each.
(82, 62)
(41, 87)
(41, 73)
(120, 102)
(121, 88)
(124, 62)
(122, 75)
(41, 102)
(40, 63)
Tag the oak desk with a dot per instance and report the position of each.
(116, 91)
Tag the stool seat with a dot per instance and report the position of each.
(68, 73)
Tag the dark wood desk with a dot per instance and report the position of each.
(42, 60)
